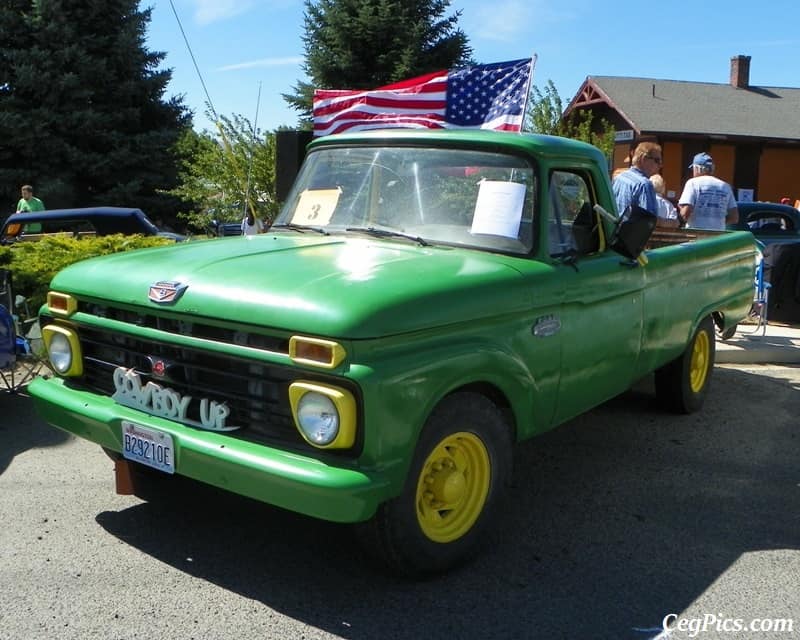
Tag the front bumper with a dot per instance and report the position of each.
(284, 479)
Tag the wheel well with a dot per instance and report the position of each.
(723, 333)
(496, 397)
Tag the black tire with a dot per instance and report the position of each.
(682, 385)
(728, 333)
(415, 534)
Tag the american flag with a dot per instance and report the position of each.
(487, 96)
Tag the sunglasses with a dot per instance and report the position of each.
(658, 160)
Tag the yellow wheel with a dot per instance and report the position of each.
(461, 465)
(682, 384)
(698, 366)
(452, 487)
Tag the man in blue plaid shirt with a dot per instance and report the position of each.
(633, 186)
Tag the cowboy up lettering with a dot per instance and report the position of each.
(166, 403)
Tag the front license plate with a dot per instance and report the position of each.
(148, 446)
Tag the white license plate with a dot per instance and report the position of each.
(148, 446)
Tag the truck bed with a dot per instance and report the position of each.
(667, 237)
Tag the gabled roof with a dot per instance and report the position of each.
(673, 106)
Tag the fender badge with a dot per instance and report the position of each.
(166, 292)
(546, 326)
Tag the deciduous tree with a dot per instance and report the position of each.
(219, 169)
(545, 114)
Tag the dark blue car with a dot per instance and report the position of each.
(84, 222)
(769, 222)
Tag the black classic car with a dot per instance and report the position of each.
(777, 228)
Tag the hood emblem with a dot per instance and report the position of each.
(166, 292)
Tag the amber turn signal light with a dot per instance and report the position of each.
(322, 353)
(61, 304)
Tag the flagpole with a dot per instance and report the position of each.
(534, 57)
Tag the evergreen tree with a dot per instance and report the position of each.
(14, 132)
(363, 44)
(82, 109)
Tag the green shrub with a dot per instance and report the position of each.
(33, 264)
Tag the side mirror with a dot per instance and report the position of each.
(585, 230)
(632, 231)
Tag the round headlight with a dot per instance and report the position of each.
(318, 418)
(60, 353)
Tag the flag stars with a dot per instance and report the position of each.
(488, 93)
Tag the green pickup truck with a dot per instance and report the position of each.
(423, 301)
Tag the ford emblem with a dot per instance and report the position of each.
(166, 292)
(159, 368)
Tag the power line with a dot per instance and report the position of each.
(226, 145)
(191, 54)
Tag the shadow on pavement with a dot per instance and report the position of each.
(615, 519)
(22, 429)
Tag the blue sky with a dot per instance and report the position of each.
(241, 44)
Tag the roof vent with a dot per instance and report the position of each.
(740, 72)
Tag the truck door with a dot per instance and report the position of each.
(602, 310)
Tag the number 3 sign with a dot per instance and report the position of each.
(316, 206)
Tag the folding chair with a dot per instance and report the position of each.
(19, 364)
(759, 309)
(20, 369)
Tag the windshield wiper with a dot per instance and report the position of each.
(386, 233)
(299, 227)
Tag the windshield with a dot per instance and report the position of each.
(440, 196)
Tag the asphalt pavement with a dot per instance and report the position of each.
(622, 518)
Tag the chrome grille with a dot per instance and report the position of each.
(196, 328)
(255, 392)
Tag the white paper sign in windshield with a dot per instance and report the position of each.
(316, 206)
(498, 210)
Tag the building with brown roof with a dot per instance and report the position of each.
(752, 132)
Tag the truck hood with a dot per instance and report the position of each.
(332, 286)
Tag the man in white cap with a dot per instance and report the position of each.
(707, 202)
